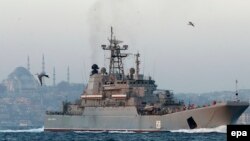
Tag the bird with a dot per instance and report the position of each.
(40, 77)
(190, 23)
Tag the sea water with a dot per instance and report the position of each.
(38, 134)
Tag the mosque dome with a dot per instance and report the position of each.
(20, 80)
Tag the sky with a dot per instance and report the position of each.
(205, 58)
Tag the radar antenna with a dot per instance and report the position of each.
(116, 64)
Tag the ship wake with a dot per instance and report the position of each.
(219, 129)
(33, 130)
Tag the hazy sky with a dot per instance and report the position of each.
(209, 57)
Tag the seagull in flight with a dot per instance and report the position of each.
(40, 77)
(190, 23)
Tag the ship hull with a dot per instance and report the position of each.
(127, 119)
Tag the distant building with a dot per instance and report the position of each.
(20, 80)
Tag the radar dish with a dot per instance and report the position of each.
(103, 70)
(132, 71)
(95, 67)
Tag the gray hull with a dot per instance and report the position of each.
(127, 119)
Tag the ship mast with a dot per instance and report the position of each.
(137, 62)
(116, 64)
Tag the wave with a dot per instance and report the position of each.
(121, 132)
(219, 129)
(89, 131)
(35, 130)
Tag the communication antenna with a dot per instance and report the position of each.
(137, 62)
(104, 59)
(236, 90)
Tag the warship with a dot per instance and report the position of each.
(115, 101)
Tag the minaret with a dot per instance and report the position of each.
(28, 63)
(43, 69)
(43, 65)
(68, 75)
(54, 77)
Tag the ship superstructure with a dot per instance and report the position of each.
(114, 100)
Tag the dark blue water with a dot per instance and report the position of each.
(39, 135)
(67, 136)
